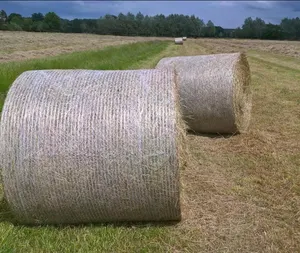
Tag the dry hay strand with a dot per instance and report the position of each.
(81, 146)
(178, 41)
(214, 91)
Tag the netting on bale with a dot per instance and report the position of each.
(80, 146)
(214, 91)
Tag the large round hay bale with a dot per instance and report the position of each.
(214, 91)
(184, 38)
(80, 146)
(178, 41)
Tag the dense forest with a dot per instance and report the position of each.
(159, 25)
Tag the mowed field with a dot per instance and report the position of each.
(17, 46)
(239, 193)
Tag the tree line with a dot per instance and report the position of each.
(143, 25)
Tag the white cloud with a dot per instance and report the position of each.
(224, 3)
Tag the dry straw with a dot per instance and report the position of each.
(178, 41)
(214, 91)
(82, 146)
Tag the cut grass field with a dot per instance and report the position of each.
(239, 193)
(18, 46)
(287, 48)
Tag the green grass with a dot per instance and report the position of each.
(82, 239)
(121, 57)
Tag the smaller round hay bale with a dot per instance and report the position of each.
(214, 91)
(82, 146)
(178, 41)
(184, 38)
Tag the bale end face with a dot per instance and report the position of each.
(214, 90)
(242, 97)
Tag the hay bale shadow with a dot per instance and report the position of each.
(212, 135)
(124, 224)
(5, 213)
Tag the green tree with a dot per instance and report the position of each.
(3, 16)
(291, 28)
(27, 24)
(258, 26)
(139, 23)
(196, 27)
(201, 27)
(38, 26)
(131, 24)
(211, 30)
(13, 15)
(238, 33)
(17, 20)
(65, 26)
(253, 28)
(76, 25)
(109, 24)
(272, 32)
(248, 28)
(287, 28)
(14, 27)
(52, 21)
(36, 17)
(3, 19)
(83, 28)
(220, 32)
(158, 25)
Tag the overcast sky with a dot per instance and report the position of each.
(228, 14)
